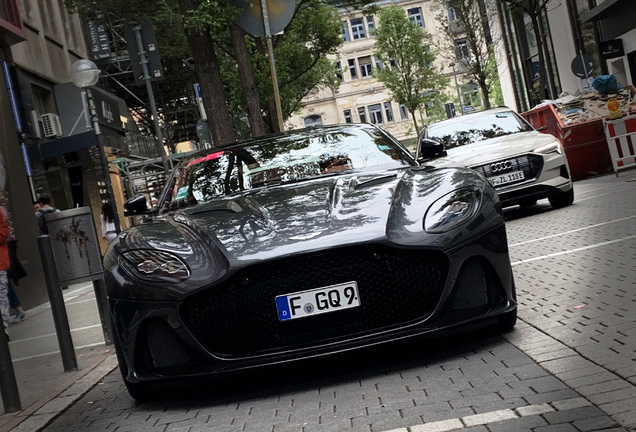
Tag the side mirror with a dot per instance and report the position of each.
(429, 149)
(136, 205)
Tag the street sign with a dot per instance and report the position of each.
(150, 50)
(279, 14)
(583, 66)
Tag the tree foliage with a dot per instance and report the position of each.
(408, 71)
(469, 23)
(188, 28)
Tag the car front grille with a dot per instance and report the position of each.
(530, 164)
(239, 317)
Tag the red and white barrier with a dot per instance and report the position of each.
(621, 140)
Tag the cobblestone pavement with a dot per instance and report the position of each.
(569, 365)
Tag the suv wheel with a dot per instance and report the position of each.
(562, 199)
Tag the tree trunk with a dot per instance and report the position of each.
(207, 69)
(417, 129)
(246, 75)
(540, 45)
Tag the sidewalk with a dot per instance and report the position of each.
(44, 387)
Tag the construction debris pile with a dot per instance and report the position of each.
(591, 105)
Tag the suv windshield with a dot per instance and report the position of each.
(282, 159)
(476, 127)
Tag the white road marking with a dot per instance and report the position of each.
(572, 231)
(57, 352)
(574, 250)
(493, 416)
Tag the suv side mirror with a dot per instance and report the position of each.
(429, 149)
(136, 205)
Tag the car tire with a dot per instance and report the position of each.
(562, 199)
(141, 392)
(507, 321)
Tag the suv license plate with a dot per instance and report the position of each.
(318, 301)
(506, 178)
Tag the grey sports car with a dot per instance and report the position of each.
(298, 245)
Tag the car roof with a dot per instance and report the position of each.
(459, 119)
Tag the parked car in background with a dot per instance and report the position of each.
(302, 244)
(522, 164)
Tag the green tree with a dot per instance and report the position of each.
(231, 66)
(408, 71)
(463, 19)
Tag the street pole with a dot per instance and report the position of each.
(143, 60)
(459, 96)
(102, 156)
(272, 64)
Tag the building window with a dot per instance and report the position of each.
(345, 32)
(357, 29)
(347, 116)
(404, 114)
(339, 71)
(461, 49)
(388, 111)
(415, 15)
(370, 25)
(352, 69)
(11, 28)
(378, 63)
(452, 15)
(366, 67)
(362, 114)
(375, 114)
(313, 120)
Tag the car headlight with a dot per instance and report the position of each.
(154, 266)
(554, 146)
(452, 210)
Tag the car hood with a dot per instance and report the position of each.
(493, 149)
(312, 215)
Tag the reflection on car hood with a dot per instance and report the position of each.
(287, 219)
(494, 149)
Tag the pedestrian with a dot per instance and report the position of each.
(45, 208)
(15, 273)
(5, 264)
(107, 220)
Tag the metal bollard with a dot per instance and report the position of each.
(102, 306)
(8, 384)
(57, 304)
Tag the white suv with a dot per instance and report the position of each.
(523, 164)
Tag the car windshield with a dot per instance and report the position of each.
(286, 158)
(476, 127)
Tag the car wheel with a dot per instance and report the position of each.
(139, 391)
(507, 321)
(562, 199)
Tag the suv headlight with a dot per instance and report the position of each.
(452, 210)
(554, 146)
(154, 266)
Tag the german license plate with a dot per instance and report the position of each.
(508, 177)
(317, 301)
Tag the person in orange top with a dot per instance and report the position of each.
(5, 263)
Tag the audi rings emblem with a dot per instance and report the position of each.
(500, 166)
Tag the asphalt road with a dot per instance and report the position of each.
(569, 365)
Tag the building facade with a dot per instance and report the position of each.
(361, 98)
(40, 41)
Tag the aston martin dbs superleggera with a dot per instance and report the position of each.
(302, 244)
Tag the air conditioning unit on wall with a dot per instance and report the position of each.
(51, 125)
